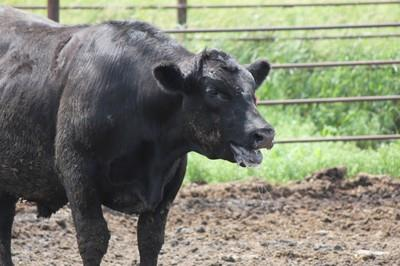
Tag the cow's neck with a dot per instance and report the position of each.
(137, 180)
(170, 149)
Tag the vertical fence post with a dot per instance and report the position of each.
(182, 18)
(53, 10)
(182, 12)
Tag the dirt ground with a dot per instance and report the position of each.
(323, 220)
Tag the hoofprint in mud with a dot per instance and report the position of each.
(323, 220)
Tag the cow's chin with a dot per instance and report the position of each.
(246, 157)
(238, 154)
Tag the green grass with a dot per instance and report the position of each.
(293, 162)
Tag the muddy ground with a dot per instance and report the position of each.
(323, 220)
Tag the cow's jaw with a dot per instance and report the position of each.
(246, 157)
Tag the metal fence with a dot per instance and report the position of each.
(297, 38)
(330, 100)
(182, 4)
(285, 28)
(182, 7)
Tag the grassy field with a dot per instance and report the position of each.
(291, 162)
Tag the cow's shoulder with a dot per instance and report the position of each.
(136, 27)
(140, 35)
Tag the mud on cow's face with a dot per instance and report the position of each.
(220, 118)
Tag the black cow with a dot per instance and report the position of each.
(105, 115)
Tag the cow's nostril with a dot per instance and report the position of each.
(258, 137)
(263, 137)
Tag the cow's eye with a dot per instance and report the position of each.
(217, 94)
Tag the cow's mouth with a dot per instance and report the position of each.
(246, 157)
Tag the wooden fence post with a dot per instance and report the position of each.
(53, 10)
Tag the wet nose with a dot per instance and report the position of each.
(263, 138)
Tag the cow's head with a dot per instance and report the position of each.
(219, 112)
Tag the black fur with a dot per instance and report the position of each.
(87, 117)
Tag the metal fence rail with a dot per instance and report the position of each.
(300, 38)
(340, 138)
(329, 100)
(336, 64)
(286, 28)
(217, 6)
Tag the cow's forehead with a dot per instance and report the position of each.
(234, 77)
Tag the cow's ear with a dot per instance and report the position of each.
(169, 77)
(259, 69)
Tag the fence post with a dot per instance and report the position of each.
(182, 18)
(53, 10)
(182, 12)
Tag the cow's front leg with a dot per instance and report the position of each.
(92, 233)
(151, 227)
(7, 212)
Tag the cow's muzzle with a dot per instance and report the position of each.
(259, 139)
(263, 138)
